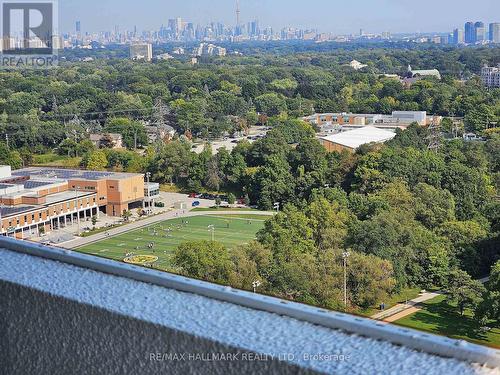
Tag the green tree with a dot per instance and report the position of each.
(271, 104)
(206, 260)
(126, 215)
(94, 220)
(463, 290)
(133, 133)
(273, 182)
(97, 161)
(489, 308)
(171, 162)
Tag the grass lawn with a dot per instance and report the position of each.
(230, 231)
(55, 160)
(401, 297)
(170, 188)
(437, 316)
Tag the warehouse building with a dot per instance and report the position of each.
(349, 121)
(351, 140)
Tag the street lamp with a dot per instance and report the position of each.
(277, 206)
(255, 285)
(148, 176)
(211, 228)
(345, 255)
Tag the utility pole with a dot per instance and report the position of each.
(434, 137)
(345, 255)
(7, 140)
(160, 111)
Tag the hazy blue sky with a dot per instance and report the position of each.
(345, 16)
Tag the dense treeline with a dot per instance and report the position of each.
(38, 110)
(407, 215)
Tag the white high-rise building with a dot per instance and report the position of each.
(494, 34)
(491, 76)
(141, 51)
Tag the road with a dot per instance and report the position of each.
(82, 241)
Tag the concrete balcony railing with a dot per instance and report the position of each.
(63, 312)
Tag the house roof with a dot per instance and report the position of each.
(355, 138)
(428, 72)
(98, 137)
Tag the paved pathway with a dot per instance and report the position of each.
(402, 309)
(82, 241)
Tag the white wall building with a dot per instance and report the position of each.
(491, 76)
(141, 51)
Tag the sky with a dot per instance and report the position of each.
(339, 17)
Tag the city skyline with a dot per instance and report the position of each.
(396, 17)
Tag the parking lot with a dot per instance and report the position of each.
(255, 133)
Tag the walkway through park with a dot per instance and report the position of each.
(404, 309)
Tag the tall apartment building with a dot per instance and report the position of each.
(458, 36)
(479, 32)
(494, 32)
(208, 49)
(491, 76)
(469, 32)
(141, 51)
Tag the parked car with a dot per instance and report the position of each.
(196, 204)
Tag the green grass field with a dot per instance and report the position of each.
(229, 230)
(437, 316)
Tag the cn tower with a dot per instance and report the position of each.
(238, 12)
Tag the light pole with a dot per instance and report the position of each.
(148, 176)
(277, 206)
(255, 285)
(345, 255)
(211, 228)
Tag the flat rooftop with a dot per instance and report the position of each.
(7, 211)
(70, 174)
(355, 138)
(66, 196)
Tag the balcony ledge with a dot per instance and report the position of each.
(65, 311)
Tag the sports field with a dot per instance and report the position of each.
(165, 236)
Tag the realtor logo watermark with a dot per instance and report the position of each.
(29, 34)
